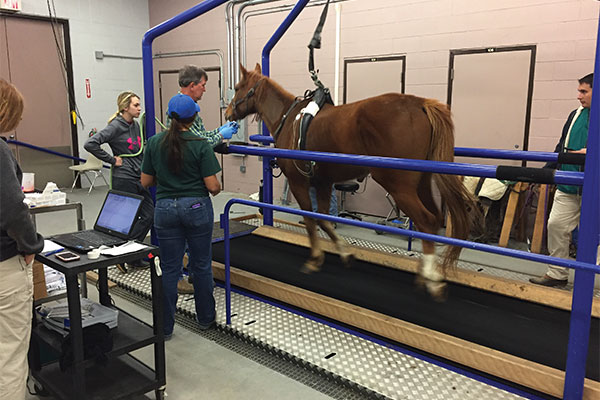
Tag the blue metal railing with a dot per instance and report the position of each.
(589, 232)
(584, 280)
(149, 37)
(524, 255)
(499, 154)
(44, 150)
(148, 69)
(488, 171)
(266, 70)
(590, 225)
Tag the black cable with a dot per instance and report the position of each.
(62, 58)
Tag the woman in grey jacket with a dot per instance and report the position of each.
(19, 242)
(124, 137)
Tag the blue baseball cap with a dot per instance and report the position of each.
(182, 106)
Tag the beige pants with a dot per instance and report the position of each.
(564, 217)
(16, 297)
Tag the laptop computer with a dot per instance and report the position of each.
(113, 225)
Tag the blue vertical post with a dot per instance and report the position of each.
(148, 70)
(227, 242)
(266, 70)
(589, 234)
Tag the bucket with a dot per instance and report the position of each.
(28, 182)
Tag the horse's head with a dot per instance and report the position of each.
(244, 100)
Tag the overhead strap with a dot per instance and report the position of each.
(315, 43)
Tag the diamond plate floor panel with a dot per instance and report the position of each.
(378, 370)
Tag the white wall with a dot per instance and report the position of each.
(111, 26)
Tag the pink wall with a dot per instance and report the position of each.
(564, 32)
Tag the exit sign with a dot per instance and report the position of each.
(10, 5)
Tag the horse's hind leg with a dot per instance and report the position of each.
(404, 193)
(317, 257)
(323, 203)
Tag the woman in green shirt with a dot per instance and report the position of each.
(183, 167)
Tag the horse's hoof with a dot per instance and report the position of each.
(437, 290)
(420, 285)
(309, 269)
(347, 259)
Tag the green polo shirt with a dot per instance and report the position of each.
(199, 162)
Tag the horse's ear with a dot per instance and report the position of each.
(257, 68)
(244, 71)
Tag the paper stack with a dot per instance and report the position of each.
(55, 315)
(55, 281)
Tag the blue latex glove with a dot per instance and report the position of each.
(229, 129)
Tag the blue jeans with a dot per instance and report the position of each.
(177, 222)
(333, 206)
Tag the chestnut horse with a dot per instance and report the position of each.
(389, 125)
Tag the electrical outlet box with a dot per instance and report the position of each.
(243, 169)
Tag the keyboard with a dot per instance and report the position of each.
(97, 239)
(83, 241)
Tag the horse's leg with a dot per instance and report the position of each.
(317, 257)
(426, 196)
(405, 194)
(430, 275)
(323, 200)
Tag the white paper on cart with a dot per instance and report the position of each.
(129, 247)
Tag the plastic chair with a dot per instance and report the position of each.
(93, 165)
(347, 187)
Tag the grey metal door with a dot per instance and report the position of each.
(490, 92)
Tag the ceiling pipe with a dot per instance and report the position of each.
(264, 11)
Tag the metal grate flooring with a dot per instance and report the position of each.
(347, 366)
(227, 338)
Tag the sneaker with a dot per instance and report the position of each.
(184, 287)
(547, 281)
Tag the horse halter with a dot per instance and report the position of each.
(249, 94)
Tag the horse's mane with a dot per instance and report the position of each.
(272, 87)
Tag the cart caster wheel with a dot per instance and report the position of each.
(40, 391)
(160, 394)
(379, 232)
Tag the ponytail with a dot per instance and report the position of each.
(174, 143)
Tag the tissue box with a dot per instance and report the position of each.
(51, 196)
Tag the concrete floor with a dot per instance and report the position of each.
(200, 368)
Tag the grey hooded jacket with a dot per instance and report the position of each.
(123, 138)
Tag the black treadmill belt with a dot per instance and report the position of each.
(523, 329)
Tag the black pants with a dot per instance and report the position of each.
(145, 218)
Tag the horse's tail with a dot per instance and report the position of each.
(457, 199)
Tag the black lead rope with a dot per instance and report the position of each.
(315, 43)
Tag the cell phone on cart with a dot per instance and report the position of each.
(67, 256)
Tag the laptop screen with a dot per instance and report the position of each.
(118, 212)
